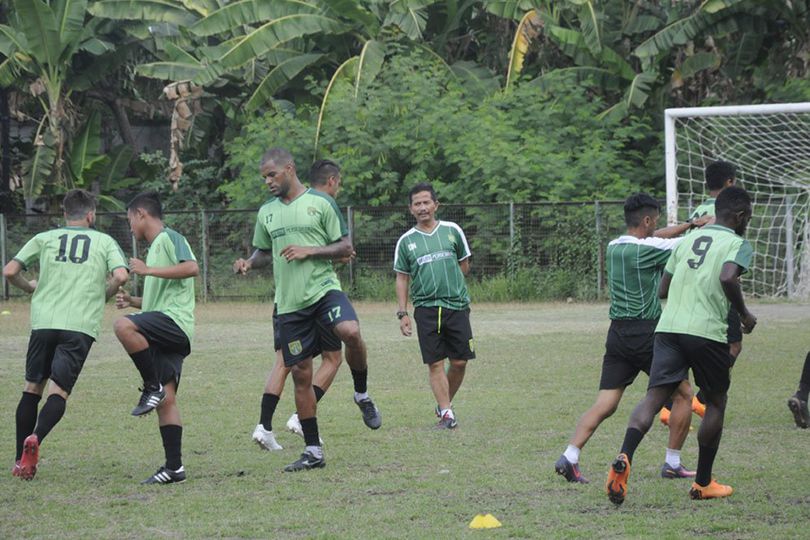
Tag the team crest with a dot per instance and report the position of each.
(411, 247)
(451, 237)
(295, 347)
(472, 345)
(312, 210)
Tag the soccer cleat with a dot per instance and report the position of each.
(265, 439)
(664, 416)
(680, 471)
(16, 469)
(167, 476)
(714, 490)
(306, 462)
(371, 415)
(294, 426)
(151, 397)
(30, 457)
(800, 413)
(447, 422)
(616, 485)
(569, 470)
(697, 407)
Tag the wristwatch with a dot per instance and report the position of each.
(401, 314)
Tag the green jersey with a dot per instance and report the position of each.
(173, 297)
(705, 209)
(634, 269)
(431, 259)
(73, 267)
(311, 219)
(697, 304)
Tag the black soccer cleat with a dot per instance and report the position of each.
(306, 462)
(151, 397)
(371, 414)
(801, 415)
(570, 471)
(167, 476)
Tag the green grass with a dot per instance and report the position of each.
(537, 371)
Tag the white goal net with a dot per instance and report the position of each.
(770, 147)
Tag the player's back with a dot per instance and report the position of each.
(73, 266)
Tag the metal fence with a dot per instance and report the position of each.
(566, 240)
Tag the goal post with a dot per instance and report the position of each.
(770, 147)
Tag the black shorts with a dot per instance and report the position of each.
(675, 354)
(300, 332)
(628, 350)
(734, 332)
(167, 342)
(327, 340)
(444, 333)
(57, 355)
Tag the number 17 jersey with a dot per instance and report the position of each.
(73, 267)
(696, 304)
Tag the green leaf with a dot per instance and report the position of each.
(8, 73)
(70, 21)
(86, 148)
(96, 46)
(699, 62)
(412, 22)
(353, 10)
(342, 71)
(509, 9)
(37, 169)
(247, 12)
(475, 78)
(642, 24)
(179, 71)
(278, 77)
(113, 174)
(369, 64)
(589, 23)
(38, 24)
(148, 10)
(601, 77)
(278, 31)
(572, 44)
(10, 40)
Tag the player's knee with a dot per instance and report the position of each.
(458, 365)
(122, 326)
(349, 333)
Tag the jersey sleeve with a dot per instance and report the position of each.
(462, 247)
(662, 249)
(261, 238)
(114, 255)
(182, 249)
(401, 262)
(332, 221)
(29, 253)
(743, 255)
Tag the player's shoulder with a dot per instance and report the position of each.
(650, 242)
(324, 199)
(410, 232)
(451, 225)
(171, 236)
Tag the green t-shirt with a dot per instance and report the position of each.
(173, 297)
(634, 269)
(705, 209)
(73, 266)
(311, 219)
(697, 304)
(431, 259)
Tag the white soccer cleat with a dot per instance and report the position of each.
(294, 426)
(265, 439)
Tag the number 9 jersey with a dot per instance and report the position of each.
(696, 304)
(73, 266)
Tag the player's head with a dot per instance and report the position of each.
(142, 211)
(324, 175)
(733, 209)
(720, 175)
(641, 211)
(278, 171)
(79, 205)
(422, 202)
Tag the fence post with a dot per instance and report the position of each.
(350, 216)
(3, 240)
(789, 255)
(135, 290)
(600, 256)
(511, 251)
(204, 237)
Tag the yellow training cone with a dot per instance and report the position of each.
(487, 521)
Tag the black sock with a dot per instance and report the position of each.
(49, 416)
(26, 419)
(360, 381)
(704, 466)
(804, 382)
(146, 367)
(319, 392)
(172, 439)
(310, 428)
(632, 438)
(269, 402)
(701, 396)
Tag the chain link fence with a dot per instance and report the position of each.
(537, 250)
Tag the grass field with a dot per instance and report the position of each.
(537, 371)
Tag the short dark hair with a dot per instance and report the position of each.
(637, 206)
(321, 170)
(277, 155)
(149, 202)
(420, 187)
(718, 172)
(77, 203)
(730, 201)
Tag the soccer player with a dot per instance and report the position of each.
(701, 281)
(432, 258)
(798, 402)
(635, 262)
(301, 231)
(66, 311)
(158, 338)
